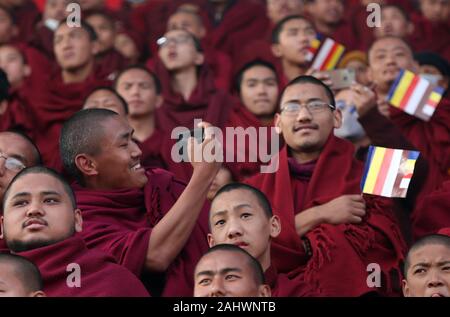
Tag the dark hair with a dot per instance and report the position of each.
(388, 37)
(433, 59)
(26, 271)
(424, 241)
(251, 64)
(399, 8)
(258, 273)
(107, 88)
(103, 14)
(280, 25)
(35, 149)
(156, 80)
(84, 25)
(46, 171)
(10, 14)
(310, 80)
(82, 133)
(262, 199)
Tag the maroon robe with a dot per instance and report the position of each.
(282, 286)
(152, 147)
(243, 21)
(26, 16)
(54, 106)
(242, 117)
(445, 231)
(341, 253)
(42, 40)
(111, 62)
(206, 103)
(3, 247)
(119, 223)
(100, 275)
(432, 213)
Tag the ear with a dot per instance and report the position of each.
(264, 291)
(276, 50)
(38, 294)
(410, 28)
(277, 123)
(275, 226)
(199, 60)
(95, 47)
(337, 118)
(159, 101)
(1, 228)
(211, 241)
(405, 289)
(86, 165)
(26, 70)
(3, 106)
(78, 220)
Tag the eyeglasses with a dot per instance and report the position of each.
(12, 163)
(294, 108)
(181, 39)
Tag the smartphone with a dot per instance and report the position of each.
(197, 133)
(341, 78)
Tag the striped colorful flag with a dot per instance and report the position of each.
(328, 55)
(415, 95)
(312, 51)
(388, 172)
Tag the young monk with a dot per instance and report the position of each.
(229, 271)
(19, 277)
(257, 87)
(141, 90)
(163, 228)
(241, 215)
(427, 267)
(40, 221)
(106, 98)
(318, 199)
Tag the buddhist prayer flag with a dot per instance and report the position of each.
(328, 55)
(415, 95)
(314, 47)
(388, 172)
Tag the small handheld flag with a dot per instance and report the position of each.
(328, 55)
(415, 95)
(388, 172)
(312, 50)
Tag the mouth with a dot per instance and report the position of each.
(172, 55)
(241, 244)
(305, 128)
(35, 224)
(137, 167)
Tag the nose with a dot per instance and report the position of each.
(435, 279)
(304, 115)
(135, 150)
(234, 229)
(134, 90)
(35, 209)
(261, 89)
(217, 288)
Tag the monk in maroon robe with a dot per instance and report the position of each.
(231, 23)
(26, 14)
(330, 21)
(291, 41)
(241, 215)
(387, 56)
(64, 94)
(41, 223)
(257, 86)
(147, 220)
(218, 62)
(42, 37)
(19, 277)
(328, 228)
(227, 270)
(19, 152)
(188, 91)
(426, 267)
(141, 90)
(109, 59)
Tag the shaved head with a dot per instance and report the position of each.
(24, 272)
(82, 134)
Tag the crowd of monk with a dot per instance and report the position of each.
(94, 203)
